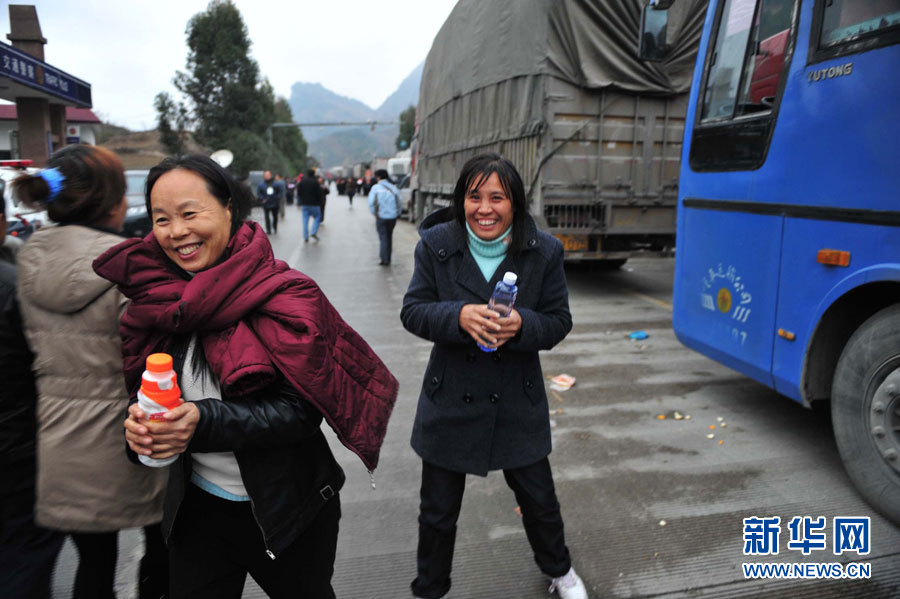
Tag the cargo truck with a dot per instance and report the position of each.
(556, 86)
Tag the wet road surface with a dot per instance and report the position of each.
(619, 469)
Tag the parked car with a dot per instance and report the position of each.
(137, 221)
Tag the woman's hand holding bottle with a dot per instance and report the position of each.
(486, 326)
(163, 438)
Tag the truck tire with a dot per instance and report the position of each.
(865, 410)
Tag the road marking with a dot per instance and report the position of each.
(652, 300)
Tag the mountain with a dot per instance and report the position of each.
(331, 146)
(406, 94)
(313, 103)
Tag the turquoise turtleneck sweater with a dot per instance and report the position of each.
(488, 254)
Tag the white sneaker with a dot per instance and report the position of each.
(569, 586)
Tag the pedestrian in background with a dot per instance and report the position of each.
(27, 551)
(282, 195)
(291, 184)
(324, 190)
(268, 193)
(384, 203)
(309, 196)
(350, 187)
(255, 488)
(86, 486)
(480, 411)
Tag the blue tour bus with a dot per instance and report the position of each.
(787, 263)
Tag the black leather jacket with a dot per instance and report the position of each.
(285, 462)
(17, 392)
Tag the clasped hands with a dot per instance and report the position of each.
(486, 326)
(163, 438)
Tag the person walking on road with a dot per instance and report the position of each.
(350, 188)
(86, 486)
(309, 197)
(324, 189)
(282, 195)
(384, 203)
(480, 411)
(27, 551)
(269, 193)
(262, 356)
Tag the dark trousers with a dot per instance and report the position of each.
(217, 542)
(441, 499)
(385, 228)
(271, 218)
(27, 552)
(97, 557)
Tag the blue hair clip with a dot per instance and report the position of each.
(54, 180)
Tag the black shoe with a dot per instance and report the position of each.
(314, 236)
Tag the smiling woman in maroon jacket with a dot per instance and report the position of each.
(262, 356)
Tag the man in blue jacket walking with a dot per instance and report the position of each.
(270, 194)
(384, 203)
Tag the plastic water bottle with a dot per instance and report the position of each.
(158, 394)
(503, 299)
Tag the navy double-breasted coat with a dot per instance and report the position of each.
(481, 411)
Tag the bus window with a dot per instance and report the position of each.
(743, 74)
(765, 61)
(848, 20)
(725, 62)
(753, 55)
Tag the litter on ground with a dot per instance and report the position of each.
(638, 335)
(562, 382)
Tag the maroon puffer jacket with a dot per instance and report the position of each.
(255, 316)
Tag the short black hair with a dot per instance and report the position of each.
(219, 182)
(382, 174)
(474, 173)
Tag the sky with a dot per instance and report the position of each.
(129, 50)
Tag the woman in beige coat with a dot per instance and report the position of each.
(86, 486)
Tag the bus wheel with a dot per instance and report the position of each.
(865, 410)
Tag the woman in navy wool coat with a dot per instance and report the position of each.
(480, 411)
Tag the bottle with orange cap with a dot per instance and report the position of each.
(159, 393)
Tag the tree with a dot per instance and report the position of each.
(221, 81)
(229, 103)
(167, 114)
(289, 140)
(407, 128)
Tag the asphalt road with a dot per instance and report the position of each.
(653, 508)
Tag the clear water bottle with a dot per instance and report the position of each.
(503, 299)
(158, 394)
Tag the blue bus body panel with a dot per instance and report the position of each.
(835, 144)
(728, 294)
(812, 287)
